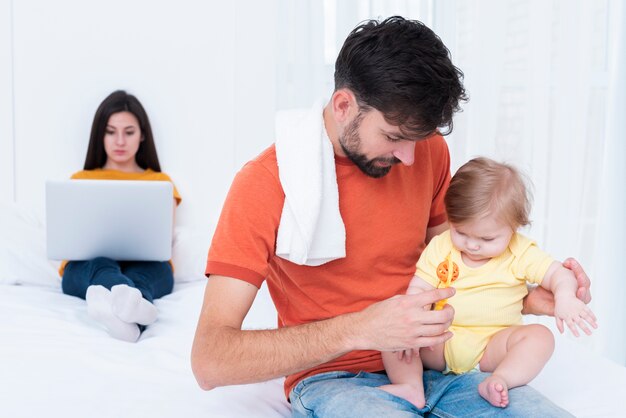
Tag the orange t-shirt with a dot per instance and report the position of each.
(385, 218)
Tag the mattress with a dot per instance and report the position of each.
(55, 361)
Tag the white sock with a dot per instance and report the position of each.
(99, 308)
(130, 306)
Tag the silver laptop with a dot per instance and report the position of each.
(117, 219)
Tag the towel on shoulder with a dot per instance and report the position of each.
(311, 231)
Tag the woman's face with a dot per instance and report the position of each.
(122, 137)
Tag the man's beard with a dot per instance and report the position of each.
(350, 143)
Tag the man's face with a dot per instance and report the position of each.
(374, 145)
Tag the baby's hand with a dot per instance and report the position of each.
(575, 314)
(408, 355)
(411, 354)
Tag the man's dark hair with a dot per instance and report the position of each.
(401, 68)
(120, 101)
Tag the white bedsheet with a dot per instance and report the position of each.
(56, 362)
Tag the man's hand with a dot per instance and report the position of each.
(584, 284)
(401, 322)
(541, 301)
(224, 354)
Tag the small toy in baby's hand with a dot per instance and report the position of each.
(447, 272)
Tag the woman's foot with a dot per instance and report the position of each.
(495, 390)
(130, 306)
(99, 308)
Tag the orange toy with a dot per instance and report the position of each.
(447, 272)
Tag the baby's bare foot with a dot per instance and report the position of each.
(411, 393)
(494, 389)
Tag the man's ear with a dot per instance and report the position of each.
(344, 105)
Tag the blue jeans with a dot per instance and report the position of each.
(343, 394)
(152, 278)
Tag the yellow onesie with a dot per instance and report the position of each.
(488, 298)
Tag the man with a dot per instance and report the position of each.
(395, 91)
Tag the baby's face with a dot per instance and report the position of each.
(481, 239)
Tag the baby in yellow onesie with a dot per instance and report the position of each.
(489, 264)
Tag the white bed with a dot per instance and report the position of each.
(55, 361)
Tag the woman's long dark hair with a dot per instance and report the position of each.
(120, 101)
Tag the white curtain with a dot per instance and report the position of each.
(610, 244)
(310, 34)
(546, 86)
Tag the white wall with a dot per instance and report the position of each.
(6, 102)
(204, 71)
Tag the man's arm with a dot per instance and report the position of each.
(540, 301)
(224, 354)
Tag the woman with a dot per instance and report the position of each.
(119, 294)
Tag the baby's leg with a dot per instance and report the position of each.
(433, 358)
(515, 355)
(406, 378)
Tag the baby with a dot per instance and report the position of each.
(489, 264)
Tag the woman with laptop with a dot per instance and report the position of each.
(119, 294)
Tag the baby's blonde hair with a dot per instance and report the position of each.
(484, 187)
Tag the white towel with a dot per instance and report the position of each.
(311, 231)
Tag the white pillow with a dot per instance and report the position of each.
(189, 253)
(23, 249)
